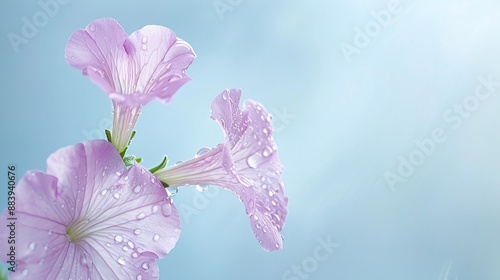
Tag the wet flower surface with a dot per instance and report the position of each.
(246, 163)
(89, 217)
(149, 64)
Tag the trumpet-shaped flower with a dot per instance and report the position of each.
(132, 70)
(246, 164)
(89, 217)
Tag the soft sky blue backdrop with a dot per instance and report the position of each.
(349, 121)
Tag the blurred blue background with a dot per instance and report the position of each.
(353, 87)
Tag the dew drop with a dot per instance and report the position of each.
(116, 195)
(144, 47)
(137, 231)
(155, 208)
(25, 272)
(252, 160)
(92, 28)
(271, 193)
(104, 192)
(145, 266)
(32, 246)
(139, 277)
(134, 255)
(118, 173)
(152, 180)
(131, 244)
(137, 189)
(201, 152)
(224, 95)
(126, 178)
(156, 237)
(257, 225)
(144, 40)
(141, 216)
(121, 261)
(125, 248)
(172, 191)
(118, 238)
(107, 244)
(166, 209)
(267, 152)
(255, 217)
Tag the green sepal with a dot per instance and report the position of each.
(165, 185)
(129, 160)
(138, 160)
(108, 135)
(159, 166)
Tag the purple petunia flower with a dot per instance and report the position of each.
(89, 217)
(132, 70)
(246, 164)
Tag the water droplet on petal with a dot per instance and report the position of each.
(155, 208)
(118, 238)
(172, 191)
(104, 192)
(144, 47)
(121, 261)
(131, 244)
(253, 160)
(156, 237)
(166, 209)
(92, 28)
(135, 255)
(145, 266)
(267, 152)
(141, 216)
(107, 244)
(201, 188)
(32, 246)
(25, 272)
(137, 189)
(118, 173)
(139, 277)
(125, 248)
(202, 151)
(271, 193)
(137, 231)
(144, 40)
(116, 195)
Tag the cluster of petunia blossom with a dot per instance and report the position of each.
(96, 214)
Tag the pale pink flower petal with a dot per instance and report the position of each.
(246, 164)
(91, 218)
(149, 64)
